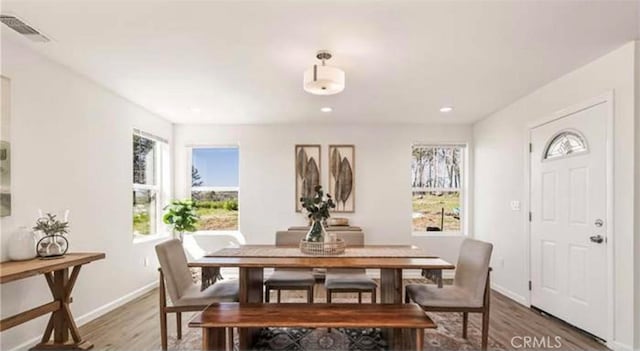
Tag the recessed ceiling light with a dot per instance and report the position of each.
(196, 110)
(326, 109)
(446, 109)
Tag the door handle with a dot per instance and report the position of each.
(598, 239)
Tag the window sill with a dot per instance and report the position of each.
(138, 239)
(439, 234)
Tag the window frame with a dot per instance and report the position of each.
(189, 188)
(161, 186)
(463, 190)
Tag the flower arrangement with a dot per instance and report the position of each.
(317, 207)
(53, 243)
(50, 226)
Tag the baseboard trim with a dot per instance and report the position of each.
(98, 312)
(510, 294)
(618, 346)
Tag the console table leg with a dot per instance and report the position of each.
(61, 324)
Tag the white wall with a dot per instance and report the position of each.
(382, 175)
(500, 153)
(637, 228)
(71, 144)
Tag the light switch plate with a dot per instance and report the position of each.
(515, 205)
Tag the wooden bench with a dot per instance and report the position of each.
(216, 318)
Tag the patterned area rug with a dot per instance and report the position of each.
(448, 336)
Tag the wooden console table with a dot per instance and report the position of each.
(56, 272)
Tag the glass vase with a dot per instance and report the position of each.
(316, 232)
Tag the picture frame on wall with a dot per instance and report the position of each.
(307, 171)
(342, 178)
(5, 147)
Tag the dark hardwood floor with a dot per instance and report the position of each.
(135, 326)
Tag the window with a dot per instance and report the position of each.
(566, 143)
(214, 187)
(437, 188)
(150, 183)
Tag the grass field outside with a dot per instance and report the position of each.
(427, 211)
(217, 219)
(218, 210)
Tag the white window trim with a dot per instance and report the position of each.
(161, 187)
(189, 188)
(464, 199)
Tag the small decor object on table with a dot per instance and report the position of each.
(317, 241)
(317, 208)
(53, 244)
(181, 216)
(22, 245)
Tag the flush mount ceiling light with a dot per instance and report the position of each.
(326, 109)
(323, 79)
(446, 109)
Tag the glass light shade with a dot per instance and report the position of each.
(326, 80)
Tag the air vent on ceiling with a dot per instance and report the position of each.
(19, 26)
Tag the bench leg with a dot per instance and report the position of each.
(213, 339)
(267, 293)
(359, 297)
(419, 339)
(278, 295)
(329, 295)
(373, 296)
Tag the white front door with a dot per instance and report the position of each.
(568, 219)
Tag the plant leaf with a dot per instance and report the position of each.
(346, 181)
(334, 166)
(312, 177)
(301, 163)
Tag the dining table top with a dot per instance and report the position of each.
(369, 256)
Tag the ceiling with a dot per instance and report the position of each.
(242, 62)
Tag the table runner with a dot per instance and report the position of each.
(367, 251)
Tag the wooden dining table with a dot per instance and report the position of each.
(391, 260)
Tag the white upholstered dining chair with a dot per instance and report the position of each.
(185, 294)
(470, 291)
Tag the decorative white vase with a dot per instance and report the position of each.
(22, 245)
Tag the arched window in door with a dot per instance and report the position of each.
(565, 143)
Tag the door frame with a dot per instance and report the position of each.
(606, 98)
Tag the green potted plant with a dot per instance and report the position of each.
(53, 243)
(317, 207)
(181, 216)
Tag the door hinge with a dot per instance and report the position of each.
(529, 285)
(530, 147)
(530, 216)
